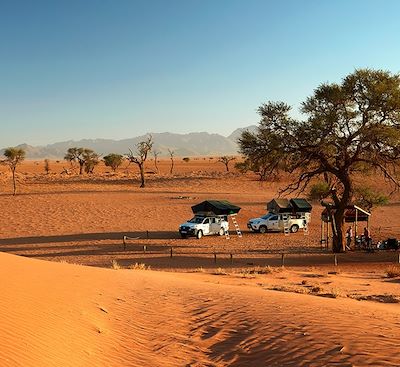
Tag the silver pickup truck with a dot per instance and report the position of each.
(278, 222)
(200, 226)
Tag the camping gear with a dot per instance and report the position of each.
(215, 207)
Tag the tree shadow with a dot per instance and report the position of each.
(79, 237)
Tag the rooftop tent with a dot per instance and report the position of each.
(215, 207)
(301, 205)
(279, 206)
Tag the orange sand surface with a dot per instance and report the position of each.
(69, 315)
(221, 303)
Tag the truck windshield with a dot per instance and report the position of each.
(266, 216)
(196, 220)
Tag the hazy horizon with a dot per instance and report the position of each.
(124, 138)
(73, 70)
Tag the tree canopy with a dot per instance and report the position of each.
(85, 157)
(14, 156)
(349, 127)
(113, 160)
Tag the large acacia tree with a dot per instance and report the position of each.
(349, 127)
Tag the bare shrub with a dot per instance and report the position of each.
(139, 266)
(115, 265)
(393, 271)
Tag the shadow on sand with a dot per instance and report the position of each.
(88, 237)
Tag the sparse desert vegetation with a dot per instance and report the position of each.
(243, 289)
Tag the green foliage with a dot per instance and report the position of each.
(14, 156)
(261, 167)
(243, 167)
(319, 191)
(113, 160)
(85, 157)
(92, 159)
(367, 198)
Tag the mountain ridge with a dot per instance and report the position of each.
(190, 144)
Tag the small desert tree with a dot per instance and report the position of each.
(86, 158)
(76, 155)
(156, 153)
(92, 159)
(47, 166)
(14, 156)
(171, 157)
(113, 160)
(262, 167)
(226, 160)
(143, 148)
(350, 127)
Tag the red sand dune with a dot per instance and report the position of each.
(56, 314)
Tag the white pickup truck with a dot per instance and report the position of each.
(278, 222)
(200, 226)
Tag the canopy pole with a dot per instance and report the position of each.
(355, 227)
(322, 232)
(327, 233)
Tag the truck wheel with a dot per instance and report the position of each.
(263, 229)
(221, 232)
(294, 228)
(199, 234)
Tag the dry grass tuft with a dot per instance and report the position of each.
(220, 271)
(115, 265)
(292, 289)
(260, 270)
(199, 270)
(139, 266)
(393, 271)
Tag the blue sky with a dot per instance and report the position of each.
(77, 69)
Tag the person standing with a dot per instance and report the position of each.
(349, 236)
(367, 237)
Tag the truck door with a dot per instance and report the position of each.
(206, 226)
(284, 222)
(215, 225)
(273, 223)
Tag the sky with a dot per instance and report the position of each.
(75, 69)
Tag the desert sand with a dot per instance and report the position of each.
(198, 308)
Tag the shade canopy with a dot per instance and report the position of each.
(352, 214)
(215, 207)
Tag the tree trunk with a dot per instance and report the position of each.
(142, 179)
(172, 166)
(338, 233)
(227, 167)
(81, 167)
(13, 177)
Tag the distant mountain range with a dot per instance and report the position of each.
(192, 144)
